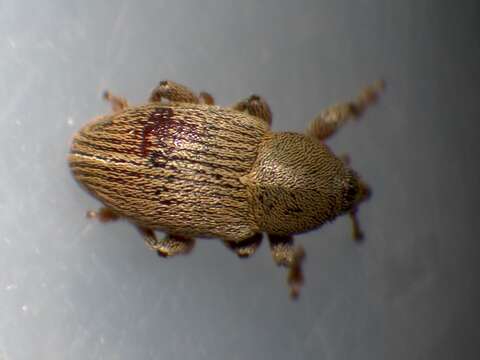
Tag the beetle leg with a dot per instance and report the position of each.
(286, 254)
(206, 98)
(332, 118)
(103, 214)
(246, 247)
(256, 106)
(173, 92)
(118, 103)
(170, 245)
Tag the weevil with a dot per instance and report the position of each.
(184, 166)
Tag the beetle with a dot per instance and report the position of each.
(189, 168)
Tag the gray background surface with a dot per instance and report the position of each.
(75, 289)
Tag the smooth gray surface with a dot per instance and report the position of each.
(75, 289)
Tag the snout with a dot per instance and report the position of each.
(364, 191)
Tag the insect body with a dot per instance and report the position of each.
(181, 165)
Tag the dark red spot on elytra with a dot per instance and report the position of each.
(152, 126)
(167, 130)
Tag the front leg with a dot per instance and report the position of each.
(171, 245)
(284, 253)
(174, 92)
(331, 119)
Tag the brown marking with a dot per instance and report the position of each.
(161, 115)
(165, 127)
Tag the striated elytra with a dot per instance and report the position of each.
(182, 165)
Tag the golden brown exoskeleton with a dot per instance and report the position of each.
(181, 165)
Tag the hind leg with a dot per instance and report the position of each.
(285, 254)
